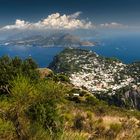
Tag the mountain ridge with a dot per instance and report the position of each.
(60, 39)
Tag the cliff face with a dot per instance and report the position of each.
(133, 97)
(102, 76)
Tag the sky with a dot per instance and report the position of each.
(125, 12)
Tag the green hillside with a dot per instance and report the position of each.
(38, 104)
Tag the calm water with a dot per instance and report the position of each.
(125, 48)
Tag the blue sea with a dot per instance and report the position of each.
(125, 48)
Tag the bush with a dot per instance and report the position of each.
(7, 130)
(62, 78)
(114, 130)
(36, 132)
(79, 122)
(45, 111)
(99, 131)
(92, 100)
(10, 68)
(33, 103)
(47, 115)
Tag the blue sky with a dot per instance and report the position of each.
(98, 11)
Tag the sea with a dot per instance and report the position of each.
(124, 47)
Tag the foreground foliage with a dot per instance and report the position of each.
(50, 108)
(10, 68)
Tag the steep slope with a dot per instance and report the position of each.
(107, 78)
(94, 72)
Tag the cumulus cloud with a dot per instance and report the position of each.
(112, 25)
(54, 21)
(19, 24)
(60, 22)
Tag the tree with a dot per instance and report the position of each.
(10, 68)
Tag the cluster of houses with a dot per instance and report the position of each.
(97, 74)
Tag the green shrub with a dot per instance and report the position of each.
(68, 117)
(62, 78)
(79, 122)
(34, 103)
(45, 111)
(10, 68)
(115, 129)
(47, 115)
(92, 100)
(7, 130)
(90, 115)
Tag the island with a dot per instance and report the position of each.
(55, 40)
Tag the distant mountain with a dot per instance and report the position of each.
(60, 39)
(107, 78)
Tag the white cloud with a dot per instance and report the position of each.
(75, 15)
(60, 22)
(19, 24)
(112, 25)
(54, 21)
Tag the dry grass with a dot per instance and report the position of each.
(107, 120)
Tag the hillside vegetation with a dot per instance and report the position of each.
(107, 78)
(38, 104)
